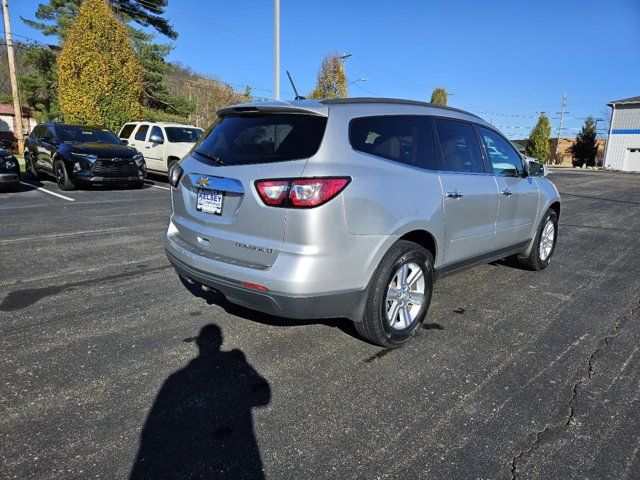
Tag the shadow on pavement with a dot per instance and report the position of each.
(201, 425)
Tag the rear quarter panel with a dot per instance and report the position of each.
(384, 199)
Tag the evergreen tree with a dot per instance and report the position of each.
(38, 88)
(54, 18)
(99, 76)
(585, 149)
(439, 96)
(332, 80)
(538, 144)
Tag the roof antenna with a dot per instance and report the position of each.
(298, 97)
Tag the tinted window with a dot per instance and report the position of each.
(127, 130)
(80, 134)
(262, 138)
(38, 131)
(141, 134)
(157, 131)
(505, 159)
(183, 134)
(458, 149)
(404, 139)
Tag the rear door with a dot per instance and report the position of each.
(469, 193)
(139, 140)
(518, 199)
(154, 151)
(238, 150)
(46, 149)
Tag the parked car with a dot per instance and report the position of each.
(9, 171)
(80, 155)
(353, 208)
(162, 144)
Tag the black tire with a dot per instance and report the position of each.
(62, 178)
(14, 187)
(172, 163)
(533, 261)
(31, 168)
(374, 326)
(138, 185)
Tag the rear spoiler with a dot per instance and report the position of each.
(297, 107)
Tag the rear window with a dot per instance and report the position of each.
(183, 134)
(402, 138)
(127, 130)
(262, 138)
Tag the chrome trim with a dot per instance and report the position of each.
(216, 183)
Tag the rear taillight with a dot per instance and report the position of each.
(300, 192)
(174, 175)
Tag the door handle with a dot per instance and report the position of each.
(455, 195)
(507, 192)
(147, 147)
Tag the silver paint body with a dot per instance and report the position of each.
(336, 247)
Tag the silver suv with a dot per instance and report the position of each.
(353, 208)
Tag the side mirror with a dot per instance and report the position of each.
(156, 139)
(537, 169)
(124, 142)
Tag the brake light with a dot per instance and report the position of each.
(272, 192)
(174, 175)
(300, 192)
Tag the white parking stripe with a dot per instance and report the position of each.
(157, 186)
(48, 191)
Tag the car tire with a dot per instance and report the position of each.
(544, 243)
(172, 163)
(391, 317)
(31, 168)
(14, 187)
(137, 185)
(62, 177)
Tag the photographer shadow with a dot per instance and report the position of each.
(201, 425)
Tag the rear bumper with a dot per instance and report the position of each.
(347, 304)
(9, 178)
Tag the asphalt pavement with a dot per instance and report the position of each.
(111, 368)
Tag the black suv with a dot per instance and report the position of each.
(79, 154)
(9, 171)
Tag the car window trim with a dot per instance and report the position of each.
(393, 160)
(518, 154)
(472, 124)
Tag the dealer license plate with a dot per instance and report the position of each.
(209, 201)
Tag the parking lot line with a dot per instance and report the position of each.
(157, 186)
(48, 191)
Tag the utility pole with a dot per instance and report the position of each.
(12, 76)
(276, 47)
(562, 112)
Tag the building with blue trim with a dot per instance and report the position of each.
(623, 146)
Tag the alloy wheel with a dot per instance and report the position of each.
(547, 240)
(405, 295)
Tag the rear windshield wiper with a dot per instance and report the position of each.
(210, 156)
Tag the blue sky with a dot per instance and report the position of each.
(505, 60)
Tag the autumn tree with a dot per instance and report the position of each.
(99, 76)
(538, 144)
(439, 96)
(332, 79)
(585, 149)
(142, 18)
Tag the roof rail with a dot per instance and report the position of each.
(396, 101)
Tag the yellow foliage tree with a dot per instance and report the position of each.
(99, 76)
(332, 80)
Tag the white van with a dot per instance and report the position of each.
(162, 144)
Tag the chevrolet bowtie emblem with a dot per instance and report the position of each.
(203, 181)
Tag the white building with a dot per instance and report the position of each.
(623, 146)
